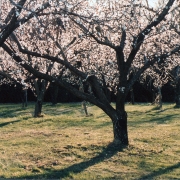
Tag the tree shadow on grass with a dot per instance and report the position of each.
(159, 120)
(162, 120)
(160, 172)
(9, 113)
(7, 123)
(107, 153)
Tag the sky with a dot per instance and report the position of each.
(152, 2)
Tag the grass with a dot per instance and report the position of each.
(65, 144)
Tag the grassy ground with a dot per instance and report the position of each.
(65, 144)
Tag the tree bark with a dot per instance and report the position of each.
(177, 88)
(120, 119)
(132, 96)
(84, 107)
(120, 128)
(38, 108)
(81, 88)
(54, 93)
(153, 97)
(40, 87)
(158, 100)
(177, 94)
(106, 90)
(24, 98)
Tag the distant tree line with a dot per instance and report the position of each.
(13, 94)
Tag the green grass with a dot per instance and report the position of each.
(65, 144)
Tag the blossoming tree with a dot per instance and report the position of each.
(98, 44)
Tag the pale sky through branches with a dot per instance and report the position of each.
(152, 2)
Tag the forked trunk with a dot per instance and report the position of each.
(120, 128)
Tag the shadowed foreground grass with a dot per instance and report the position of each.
(65, 144)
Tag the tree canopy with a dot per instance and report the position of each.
(101, 44)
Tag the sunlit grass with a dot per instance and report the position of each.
(67, 144)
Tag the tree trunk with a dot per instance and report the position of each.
(177, 94)
(132, 96)
(177, 88)
(38, 108)
(120, 128)
(84, 107)
(105, 89)
(120, 120)
(54, 93)
(81, 88)
(40, 87)
(24, 98)
(153, 97)
(25, 94)
(158, 100)
(178, 101)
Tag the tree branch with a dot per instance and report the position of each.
(140, 38)
(106, 42)
(160, 59)
(57, 81)
(14, 23)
